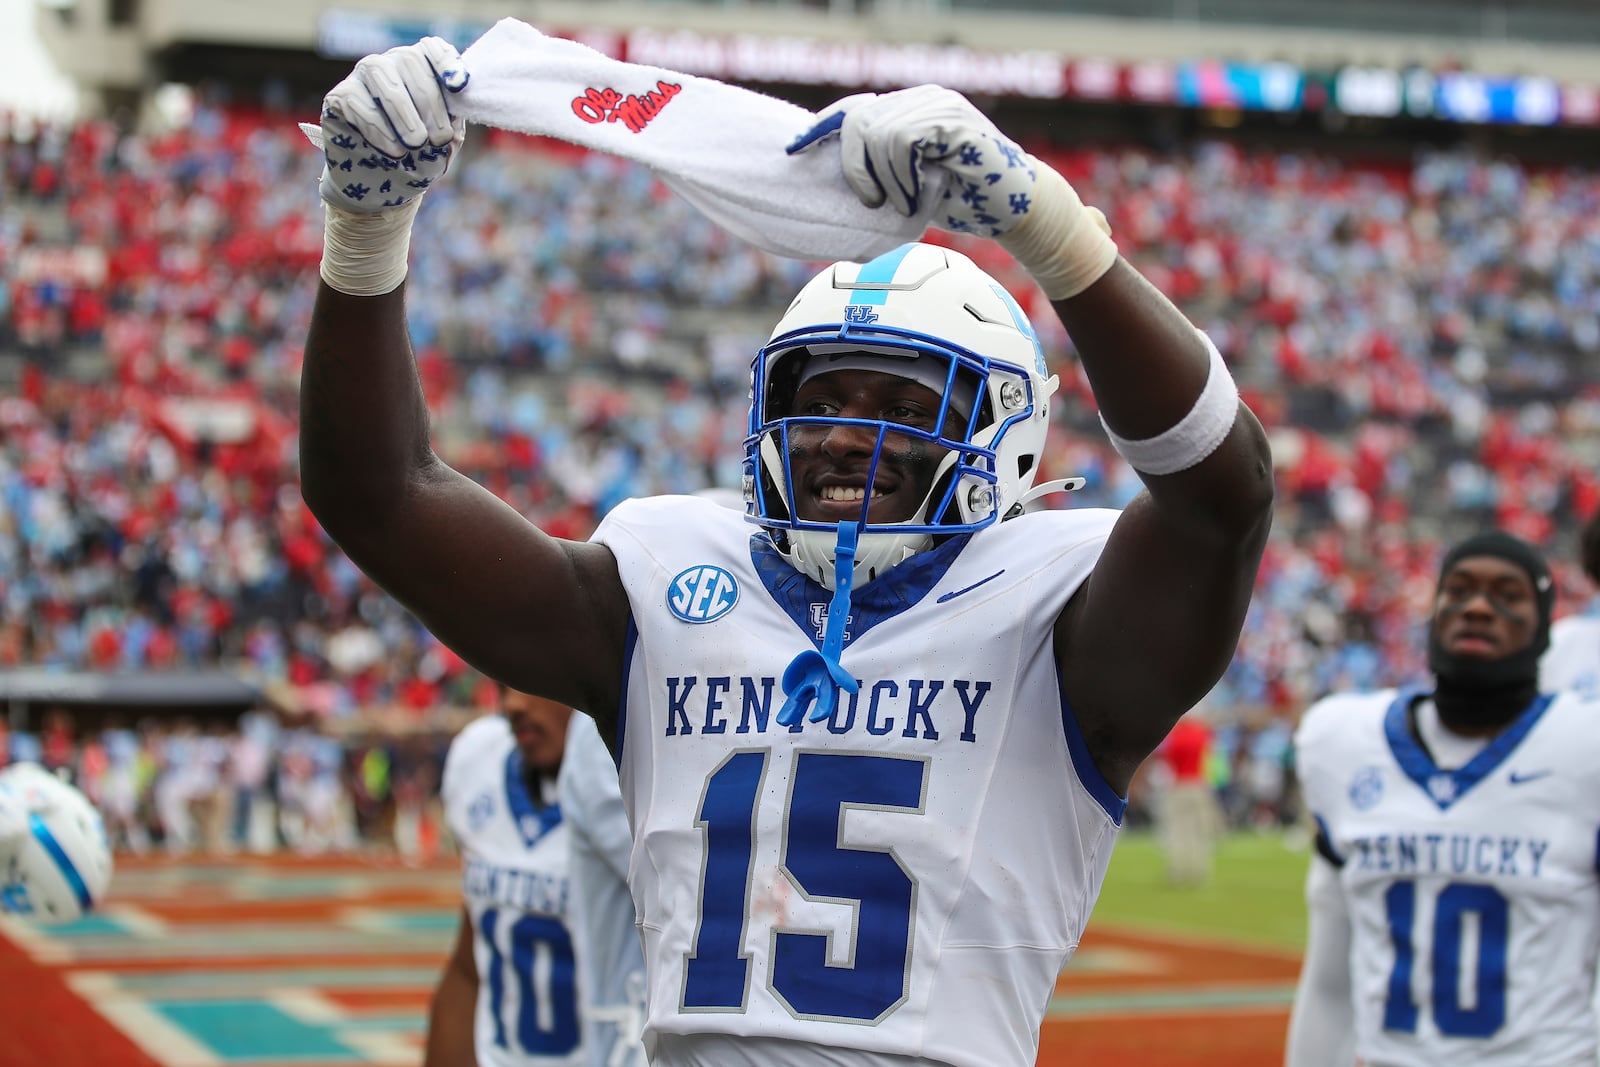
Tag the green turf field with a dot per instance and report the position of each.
(1255, 893)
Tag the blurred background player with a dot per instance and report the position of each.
(1189, 817)
(508, 996)
(1573, 658)
(611, 975)
(1455, 911)
(55, 861)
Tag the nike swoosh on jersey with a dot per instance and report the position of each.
(1521, 779)
(970, 588)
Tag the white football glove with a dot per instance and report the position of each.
(888, 143)
(387, 130)
(899, 147)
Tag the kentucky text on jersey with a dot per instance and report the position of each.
(922, 708)
(1434, 853)
(528, 890)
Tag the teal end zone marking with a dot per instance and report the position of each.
(162, 984)
(878, 271)
(244, 1030)
(426, 921)
(385, 1024)
(1177, 1000)
(91, 926)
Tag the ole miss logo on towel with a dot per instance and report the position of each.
(635, 112)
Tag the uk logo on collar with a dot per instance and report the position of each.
(702, 594)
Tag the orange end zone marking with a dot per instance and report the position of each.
(47, 1023)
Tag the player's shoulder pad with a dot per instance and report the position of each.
(1341, 715)
(654, 516)
(483, 735)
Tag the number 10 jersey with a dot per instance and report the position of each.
(1472, 894)
(906, 877)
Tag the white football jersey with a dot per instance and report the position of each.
(514, 855)
(1573, 659)
(907, 877)
(1474, 908)
(610, 957)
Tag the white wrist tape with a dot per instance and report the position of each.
(1196, 435)
(365, 255)
(1065, 245)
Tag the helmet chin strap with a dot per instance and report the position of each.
(813, 677)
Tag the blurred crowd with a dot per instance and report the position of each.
(179, 785)
(1420, 338)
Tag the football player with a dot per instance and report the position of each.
(508, 995)
(1453, 897)
(874, 735)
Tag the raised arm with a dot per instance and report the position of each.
(1157, 622)
(542, 615)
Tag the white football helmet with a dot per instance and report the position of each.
(55, 861)
(967, 338)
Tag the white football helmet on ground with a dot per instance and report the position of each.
(55, 861)
(930, 314)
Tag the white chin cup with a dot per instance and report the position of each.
(811, 552)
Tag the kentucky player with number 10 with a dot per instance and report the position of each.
(875, 734)
(1454, 901)
(508, 995)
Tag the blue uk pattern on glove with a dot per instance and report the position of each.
(387, 130)
(903, 146)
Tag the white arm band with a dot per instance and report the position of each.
(365, 255)
(1196, 435)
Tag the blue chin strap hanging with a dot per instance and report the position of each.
(814, 677)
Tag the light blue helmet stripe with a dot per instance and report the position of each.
(1024, 327)
(879, 271)
(69, 870)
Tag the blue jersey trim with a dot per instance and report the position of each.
(899, 588)
(1443, 787)
(879, 272)
(1324, 842)
(63, 862)
(1107, 797)
(629, 643)
(524, 812)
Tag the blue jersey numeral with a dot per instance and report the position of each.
(1456, 901)
(869, 879)
(541, 963)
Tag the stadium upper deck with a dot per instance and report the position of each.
(1522, 60)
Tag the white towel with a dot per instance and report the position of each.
(720, 147)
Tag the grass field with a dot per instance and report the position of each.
(1171, 976)
(1256, 893)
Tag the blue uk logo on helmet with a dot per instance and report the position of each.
(702, 594)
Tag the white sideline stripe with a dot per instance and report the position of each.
(163, 1041)
(137, 920)
(367, 920)
(35, 941)
(391, 1050)
(306, 1005)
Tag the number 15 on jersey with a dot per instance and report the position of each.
(869, 879)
